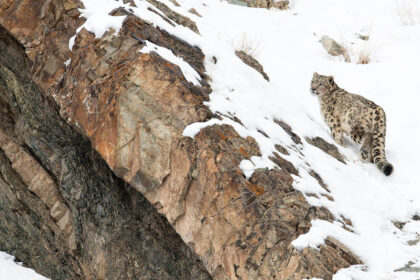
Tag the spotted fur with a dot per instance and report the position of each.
(353, 115)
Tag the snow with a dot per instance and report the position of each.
(287, 44)
(98, 19)
(9, 270)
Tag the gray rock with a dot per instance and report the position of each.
(328, 148)
(333, 48)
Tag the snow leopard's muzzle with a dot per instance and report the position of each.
(313, 91)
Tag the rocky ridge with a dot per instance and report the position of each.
(133, 108)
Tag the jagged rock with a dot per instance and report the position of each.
(334, 48)
(289, 131)
(194, 11)
(319, 179)
(252, 62)
(121, 132)
(281, 4)
(399, 225)
(281, 149)
(38, 181)
(284, 164)
(178, 18)
(328, 148)
(133, 108)
(62, 210)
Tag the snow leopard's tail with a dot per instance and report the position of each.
(378, 143)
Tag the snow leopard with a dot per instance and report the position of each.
(353, 115)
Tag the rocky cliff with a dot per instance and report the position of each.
(63, 212)
(91, 150)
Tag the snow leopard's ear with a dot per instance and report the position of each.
(331, 79)
(315, 74)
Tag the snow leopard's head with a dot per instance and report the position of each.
(322, 84)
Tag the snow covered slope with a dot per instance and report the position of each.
(287, 44)
(9, 270)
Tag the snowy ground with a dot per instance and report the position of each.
(286, 44)
(9, 270)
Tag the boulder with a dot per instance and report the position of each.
(333, 48)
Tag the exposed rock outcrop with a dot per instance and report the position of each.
(62, 211)
(133, 107)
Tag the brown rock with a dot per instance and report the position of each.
(282, 149)
(122, 134)
(319, 179)
(252, 62)
(194, 11)
(284, 164)
(289, 131)
(328, 148)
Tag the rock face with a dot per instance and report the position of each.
(62, 211)
(133, 107)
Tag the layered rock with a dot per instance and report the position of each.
(242, 228)
(133, 107)
(62, 211)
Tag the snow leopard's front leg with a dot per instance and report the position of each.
(336, 130)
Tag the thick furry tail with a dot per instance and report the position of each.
(381, 162)
(386, 168)
(378, 145)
